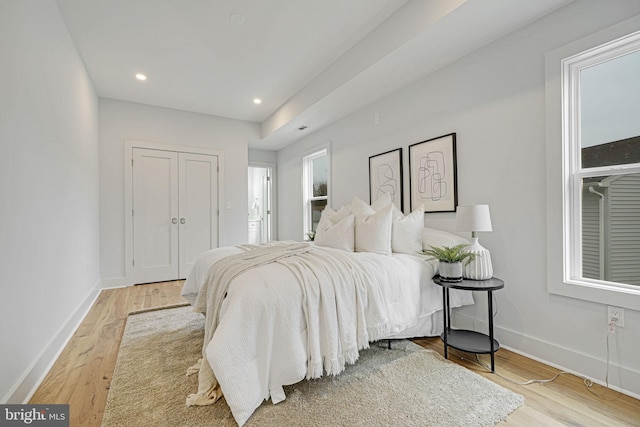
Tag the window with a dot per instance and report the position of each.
(315, 172)
(601, 166)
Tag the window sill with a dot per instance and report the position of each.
(619, 295)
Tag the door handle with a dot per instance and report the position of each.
(174, 220)
(183, 221)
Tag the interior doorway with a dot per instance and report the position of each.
(260, 203)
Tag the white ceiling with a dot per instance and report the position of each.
(310, 61)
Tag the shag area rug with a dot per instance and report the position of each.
(404, 386)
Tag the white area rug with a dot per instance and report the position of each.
(404, 386)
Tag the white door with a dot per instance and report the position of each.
(175, 212)
(155, 216)
(198, 179)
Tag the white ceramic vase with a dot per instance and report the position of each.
(480, 268)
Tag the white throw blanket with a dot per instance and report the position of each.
(335, 295)
(209, 302)
(336, 290)
(343, 306)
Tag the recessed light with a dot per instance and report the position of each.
(257, 101)
(141, 77)
(237, 19)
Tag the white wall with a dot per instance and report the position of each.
(494, 99)
(49, 245)
(262, 156)
(121, 121)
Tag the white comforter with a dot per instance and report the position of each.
(262, 340)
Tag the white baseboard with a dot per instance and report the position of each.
(621, 378)
(115, 282)
(27, 385)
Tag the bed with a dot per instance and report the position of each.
(285, 311)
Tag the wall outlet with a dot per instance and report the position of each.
(615, 315)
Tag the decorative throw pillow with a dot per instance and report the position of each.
(330, 217)
(436, 238)
(397, 213)
(381, 202)
(406, 232)
(336, 229)
(373, 232)
(360, 208)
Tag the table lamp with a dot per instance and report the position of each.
(476, 218)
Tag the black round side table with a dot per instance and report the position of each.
(462, 339)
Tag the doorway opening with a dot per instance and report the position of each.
(260, 203)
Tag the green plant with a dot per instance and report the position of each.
(456, 253)
(311, 235)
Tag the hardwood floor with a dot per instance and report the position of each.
(82, 374)
(565, 401)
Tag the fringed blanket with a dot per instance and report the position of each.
(336, 303)
(209, 302)
(343, 306)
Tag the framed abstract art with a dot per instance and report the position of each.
(385, 176)
(433, 174)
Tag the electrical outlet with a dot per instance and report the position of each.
(615, 315)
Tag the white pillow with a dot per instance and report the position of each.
(336, 229)
(339, 235)
(397, 213)
(373, 232)
(330, 217)
(381, 202)
(438, 238)
(406, 232)
(360, 208)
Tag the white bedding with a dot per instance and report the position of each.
(261, 342)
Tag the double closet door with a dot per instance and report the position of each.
(175, 212)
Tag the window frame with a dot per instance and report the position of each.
(573, 173)
(307, 185)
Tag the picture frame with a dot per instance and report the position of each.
(385, 176)
(433, 177)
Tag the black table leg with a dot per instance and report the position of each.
(490, 304)
(445, 311)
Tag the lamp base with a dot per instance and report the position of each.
(480, 268)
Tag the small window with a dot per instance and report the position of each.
(316, 188)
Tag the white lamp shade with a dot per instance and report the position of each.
(473, 218)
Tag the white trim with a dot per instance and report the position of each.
(128, 193)
(29, 382)
(274, 194)
(114, 282)
(557, 167)
(573, 173)
(560, 357)
(307, 157)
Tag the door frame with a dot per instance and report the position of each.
(274, 194)
(129, 145)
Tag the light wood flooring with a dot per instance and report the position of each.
(82, 374)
